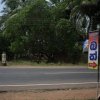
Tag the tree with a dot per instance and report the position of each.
(92, 10)
(44, 30)
(29, 28)
(67, 38)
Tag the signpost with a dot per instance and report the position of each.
(4, 59)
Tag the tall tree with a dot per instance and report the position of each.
(30, 27)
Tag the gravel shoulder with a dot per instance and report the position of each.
(76, 94)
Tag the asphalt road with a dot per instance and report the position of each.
(46, 78)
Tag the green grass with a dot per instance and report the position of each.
(42, 64)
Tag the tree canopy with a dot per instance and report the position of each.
(43, 30)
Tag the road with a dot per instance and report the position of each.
(46, 78)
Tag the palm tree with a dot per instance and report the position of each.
(77, 15)
(92, 9)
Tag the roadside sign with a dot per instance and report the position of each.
(93, 50)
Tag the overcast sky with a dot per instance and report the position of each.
(1, 7)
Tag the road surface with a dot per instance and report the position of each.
(46, 78)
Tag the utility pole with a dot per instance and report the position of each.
(98, 96)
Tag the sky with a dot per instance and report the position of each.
(1, 7)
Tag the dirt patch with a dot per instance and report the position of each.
(80, 94)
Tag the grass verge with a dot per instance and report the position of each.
(42, 64)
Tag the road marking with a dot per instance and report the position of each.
(70, 73)
(55, 84)
(56, 73)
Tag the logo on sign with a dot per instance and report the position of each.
(93, 64)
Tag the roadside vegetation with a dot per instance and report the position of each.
(29, 63)
(44, 31)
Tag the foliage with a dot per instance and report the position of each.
(68, 38)
(43, 31)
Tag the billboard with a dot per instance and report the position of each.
(93, 50)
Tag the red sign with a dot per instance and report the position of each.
(93, 50)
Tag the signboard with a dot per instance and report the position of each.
(93, 50)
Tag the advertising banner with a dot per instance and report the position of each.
(93, 50)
